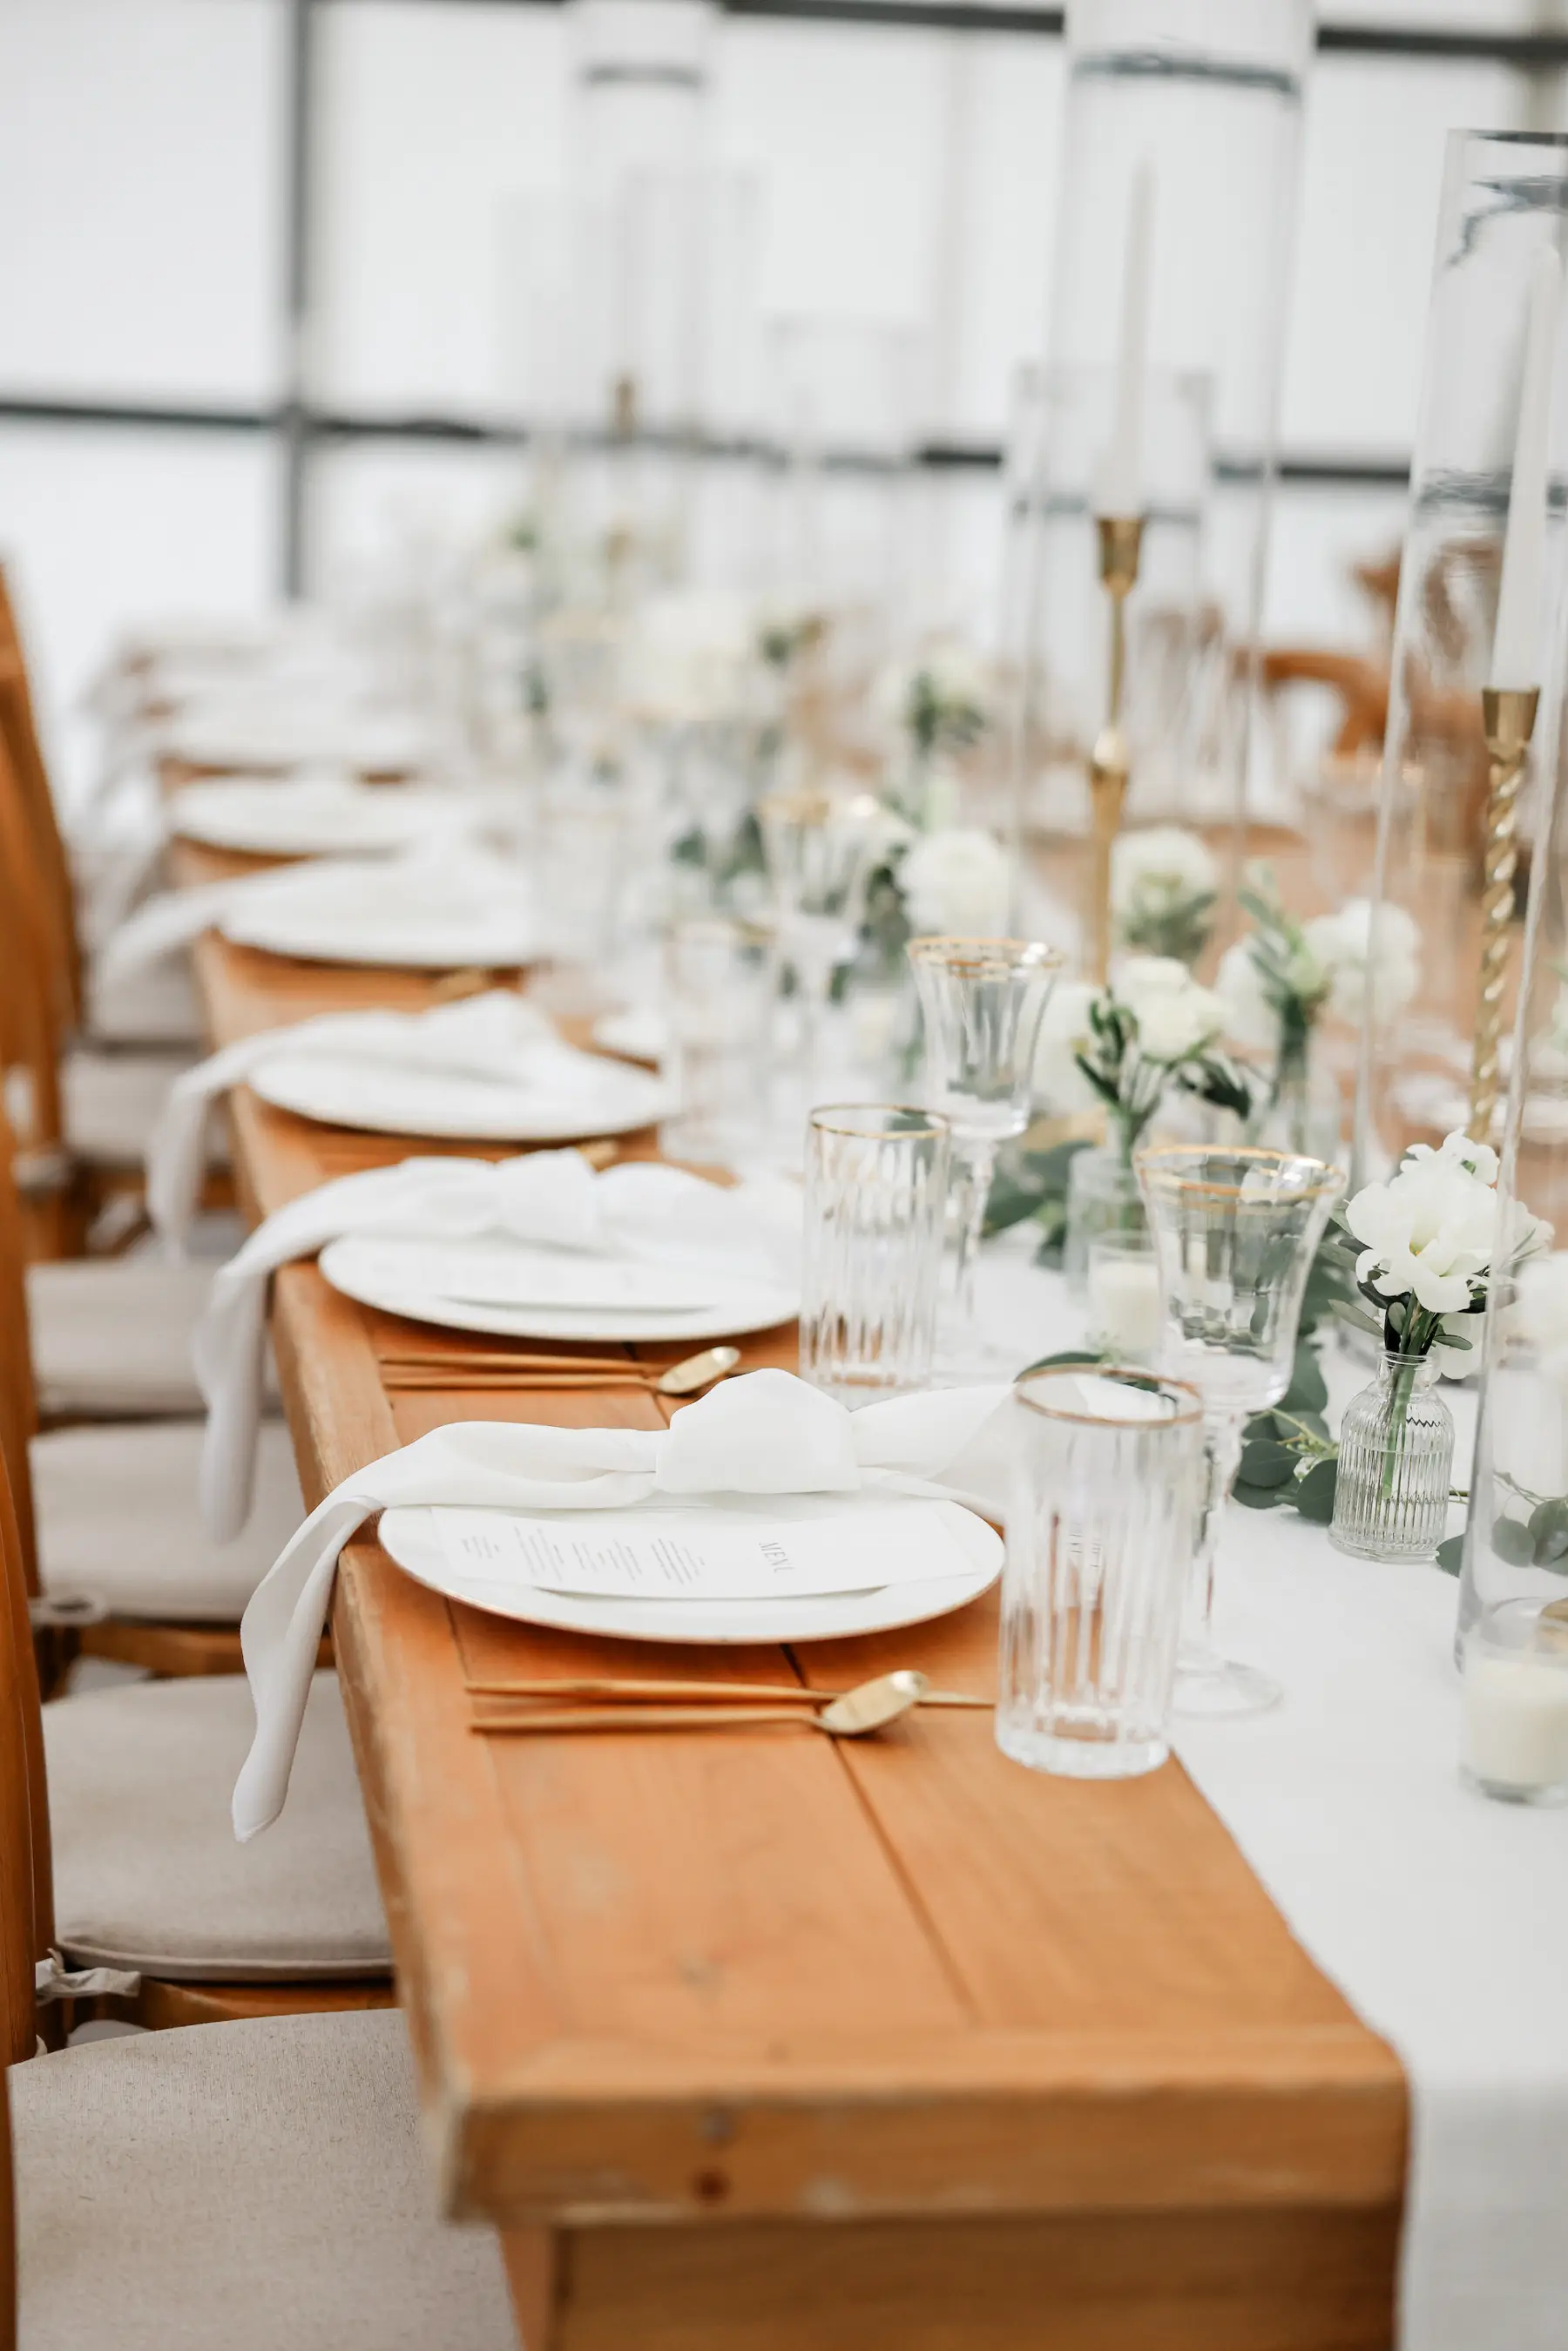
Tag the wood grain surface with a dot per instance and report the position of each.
(751, 2040)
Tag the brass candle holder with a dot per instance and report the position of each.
(1507, 722)
(1110, 762)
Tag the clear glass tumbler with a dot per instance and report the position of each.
(720, 991)
(877, 1194)
(1103, 1523)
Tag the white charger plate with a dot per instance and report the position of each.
(410, 1535)
(318, 817)
(386, 1101)
(365, 918)
(395, 1275)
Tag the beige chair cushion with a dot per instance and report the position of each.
(249, 2186)
(156, 1007)
(112, 1102)
(113, 1336)
(148, 1873)
(117, 1520)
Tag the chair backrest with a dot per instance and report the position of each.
(57, 900)
(32, 1027)
(27, 1866)
(19, 1394)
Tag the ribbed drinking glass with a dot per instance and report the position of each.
(1103, 1522)
(1234, 1233)
(877, 1194)
(720, 986)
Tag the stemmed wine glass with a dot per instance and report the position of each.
(816, 845)
(982, 1001)
(1235, 1232)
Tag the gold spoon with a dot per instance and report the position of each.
(613, 1685)
(868, 1708)
(683, 1379)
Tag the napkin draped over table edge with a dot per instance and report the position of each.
(764, 1432)
(552, 1199)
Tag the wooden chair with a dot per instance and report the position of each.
(110, 1511)
(250, 2184)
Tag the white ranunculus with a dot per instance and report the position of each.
(958, 881)
(1365, 947)
(1065, 1033)
(1176, 1017)
(1163, 865)
(1249, 1019)
(1429, 1230)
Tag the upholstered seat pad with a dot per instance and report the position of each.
(113, 1335)
(147, 1871)
(117, 1520)
(154, 1007)
(112, 1102)
(259, 2187)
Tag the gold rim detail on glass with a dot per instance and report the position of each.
(1031, 954)
(1164, 1162)
(1132, 1375)
(829, 1119)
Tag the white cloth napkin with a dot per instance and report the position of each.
(496, 1035)
(766, 1432)
(445, 871)
(550, 1197)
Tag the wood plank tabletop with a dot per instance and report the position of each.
(748, 2039)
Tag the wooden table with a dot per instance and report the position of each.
(745, 2039)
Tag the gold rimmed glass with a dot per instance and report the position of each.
(1234, 1232)
(817, 846)
(1105, 1506)
(982, 1000)
(877, 1194)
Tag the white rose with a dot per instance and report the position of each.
(1364, 947)
(1065, 1033)
(1250, 1017)
(1430, 1230)
(1164, 864)
(1176, 1017)
(958, 882)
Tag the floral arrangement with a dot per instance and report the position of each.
(1165, 886)
(1278, 982)
(937, 705)
(1430, 1250)
(1125, 1046)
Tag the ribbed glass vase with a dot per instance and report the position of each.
(1395, 1460)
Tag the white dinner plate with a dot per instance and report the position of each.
(410, 1535)
(454, 1283)
(317, 816)
(270, 733)
(637, 1031)
(595, 1096)
(400, 916)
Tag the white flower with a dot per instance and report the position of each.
(1065, 1033)
(1366, 947)
(1176, 1017)
(1250, 1017)
(958, 881)
(948, 674)
(1161, 865)
(1540, 1314)
(1429, 1230)
(686, 654)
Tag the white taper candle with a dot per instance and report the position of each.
(1516, 647)
(1119, 489)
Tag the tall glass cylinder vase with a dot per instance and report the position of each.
(1504, 206)
(1172, 276)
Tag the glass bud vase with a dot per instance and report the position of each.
(1102, 1197)
(1395, 1460)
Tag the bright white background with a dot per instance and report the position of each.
(142, 156)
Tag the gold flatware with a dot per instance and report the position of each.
(611, 1686)
(869, 1707)
(692, 1374)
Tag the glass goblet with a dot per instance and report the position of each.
(1235, 1232)
(982, 1000)
(818, 845)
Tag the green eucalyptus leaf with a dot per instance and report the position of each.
(1451, 1555)
(1267, 1465)
(1549, 1531)
(1308, 1391)
(1513, 1541)
(1314, 1493)
(1258, 1497)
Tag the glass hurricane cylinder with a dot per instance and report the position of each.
(1172, 267)
(1504, 203)
(1395, 1461)
(1101, 1520)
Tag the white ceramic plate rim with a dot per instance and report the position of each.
(252, 817)
(506, 1117)
(308, 935)
(639, 1036)
(759, 1308)
(409, 1534)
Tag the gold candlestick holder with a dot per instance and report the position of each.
(1110, 762)
(1507, 722)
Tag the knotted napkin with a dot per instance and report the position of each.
(765, 1433)
(497, 1036)
(552, 1199)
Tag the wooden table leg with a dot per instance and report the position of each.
(1209, 2281)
